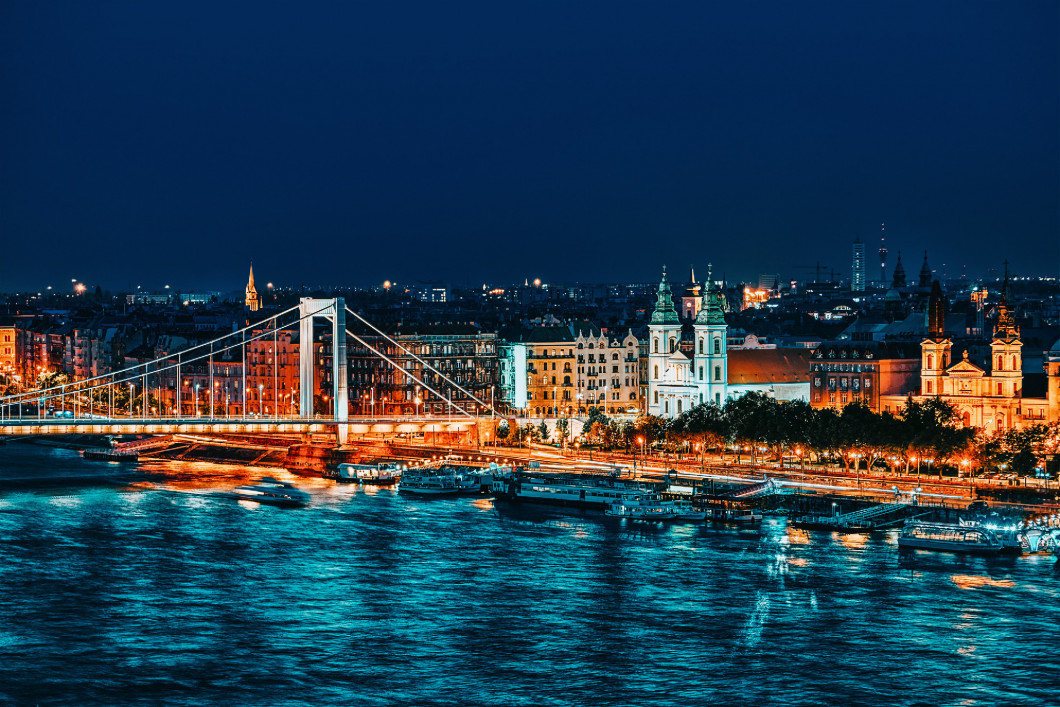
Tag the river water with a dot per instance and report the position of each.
(148, 585)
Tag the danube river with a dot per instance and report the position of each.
(149, 585)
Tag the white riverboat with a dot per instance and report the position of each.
(374, 474)
(950, 537)
(577, 490)
(642, 506)
(686, 511)
(442, 481)
(273, 492)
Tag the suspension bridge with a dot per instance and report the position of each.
(159, 397)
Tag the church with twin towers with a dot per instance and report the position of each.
(679, 378)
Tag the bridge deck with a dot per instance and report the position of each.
(250, 425)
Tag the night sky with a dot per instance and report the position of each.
(148, 143)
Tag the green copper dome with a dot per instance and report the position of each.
(713, 310)
(664, 304)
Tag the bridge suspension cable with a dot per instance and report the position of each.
(411, 353)
(130, 374)
(408, 373)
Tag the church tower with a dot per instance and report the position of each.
(935, 349)
(253, 303)
(1005, 350)
(664, 334)
(1052, 372)
(899, 274)
(710, 360)
(925, 275)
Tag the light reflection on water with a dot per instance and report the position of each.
(173, 592)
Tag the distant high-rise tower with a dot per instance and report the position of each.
(857, 268)
(883, 257)
(252, 294)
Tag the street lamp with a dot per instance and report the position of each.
(197, 411)
(261, 401)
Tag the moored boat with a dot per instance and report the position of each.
(374, 474)
(641, 506)
(950, 537)
(110, 455)
(441, 481)
(273, 492)
(686, 511)
(577, 490)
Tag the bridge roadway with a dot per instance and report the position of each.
(227, 425)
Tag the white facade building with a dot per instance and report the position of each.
(678, 381)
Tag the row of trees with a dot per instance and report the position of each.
(922, 433)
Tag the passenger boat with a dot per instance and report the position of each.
(375, 474)
(440, 481)
(949, 537)
(641, 506)
(686, 511)
(724, 514)
(273, 492)
(577, 490)
(1038, 540)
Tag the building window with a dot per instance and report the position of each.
(655, 342)
(656, 397)
(656, 373)
(717, 373)
(701, 346)
(928, 387)
(717, 345)
(701, 373)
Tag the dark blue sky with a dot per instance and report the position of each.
(341, 142)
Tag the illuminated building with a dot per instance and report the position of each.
(608, 371)
(678, 381)
(857, 266)
(987, 396)
(754, 298)
(7, 348)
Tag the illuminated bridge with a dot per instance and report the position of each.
(121, 402)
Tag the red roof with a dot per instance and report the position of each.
(747, 366)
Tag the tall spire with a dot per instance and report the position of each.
(1006, 328)
(936, 313)
(664, 304)
(253, 302)
(925, 273)
(899, 273)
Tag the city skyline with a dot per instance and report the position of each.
(146, 147)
